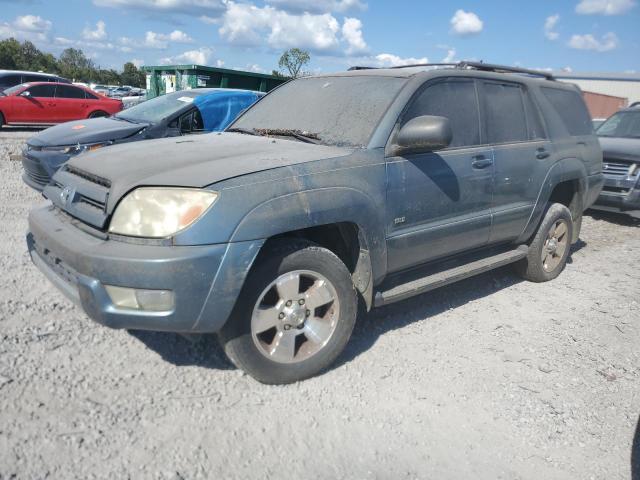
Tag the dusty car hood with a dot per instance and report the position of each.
(621, 148)
(195, 161)
(92, 130)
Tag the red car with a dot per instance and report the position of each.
(45, 103)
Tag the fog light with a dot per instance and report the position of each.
(139, 299)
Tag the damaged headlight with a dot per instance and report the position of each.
(155, 212)
(76, 149)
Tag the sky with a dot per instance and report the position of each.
(577, 35)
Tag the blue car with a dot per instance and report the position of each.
(181, 113)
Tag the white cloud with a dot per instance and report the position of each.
(604, 7)
(451, 55)
(318, 6)
(251, 68)
(99, 33)
(248, 25)
(352, 34)
(466, 23)
(137, 62)
(27, 27)
(390, 60)
(188, 7)
(200, 56)
(32, 23)
(609, 41)
(160, 40)
(550, 25)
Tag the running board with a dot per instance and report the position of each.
(444, 277)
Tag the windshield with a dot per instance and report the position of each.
(341, 111)
(12, 90)
(159, 108)
(621, 124)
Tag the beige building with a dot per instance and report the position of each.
(623, 85)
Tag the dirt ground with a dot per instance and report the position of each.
(491, 378)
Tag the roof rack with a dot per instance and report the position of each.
(485, 67)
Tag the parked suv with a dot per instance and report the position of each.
(368, 185)
(11, 78)
(620, 141)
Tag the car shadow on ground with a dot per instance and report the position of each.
(622, 219)
(635, 454)
(205, 351)
(198, 350)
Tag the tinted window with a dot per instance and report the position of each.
(455, 100)
(569, 105)
(90, 96)
(505, 113)
(67, 91)
(9, 81)
(192, 122)
(42, 91)
(36, 78)
(536, 130)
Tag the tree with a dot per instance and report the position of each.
(132, 76)
(293, 60)
(75, 65)
(9, 53)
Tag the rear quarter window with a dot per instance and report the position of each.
(570, 107)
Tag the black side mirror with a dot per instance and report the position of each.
(422, 134)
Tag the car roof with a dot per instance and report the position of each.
(427, 71)
(25, 72)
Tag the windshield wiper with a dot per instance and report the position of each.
(306, 137)
(246, 131)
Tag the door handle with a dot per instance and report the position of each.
(541, 154)
(481, 161)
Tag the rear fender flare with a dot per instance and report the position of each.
(567, 169)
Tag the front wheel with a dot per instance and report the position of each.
(549, 249)
(294, 316)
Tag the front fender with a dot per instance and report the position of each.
(316, 207)
(567, 169)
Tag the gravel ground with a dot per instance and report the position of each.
(490, 378)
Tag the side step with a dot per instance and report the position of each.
(436, 278)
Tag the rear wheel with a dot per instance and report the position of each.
(98, 114)
(294, 316)
(1, 121)
(549, 249)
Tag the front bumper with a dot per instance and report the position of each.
(206, 280)
(620, 195)
(40, 165)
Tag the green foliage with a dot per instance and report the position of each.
(72, 64)
(293, 60)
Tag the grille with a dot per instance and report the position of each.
(35, 171)
(81, 194)
(617, 168)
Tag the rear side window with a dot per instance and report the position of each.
(7, 81)
(67, 91)
(36, 78)
(505, 113)
(569, 105)
(455, 100)
(90, 96)
(42, 91)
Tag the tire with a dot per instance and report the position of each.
(319, 336)
(1, 121)
(98, 114)
(549, 249)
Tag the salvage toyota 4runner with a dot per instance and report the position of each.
(367, 186)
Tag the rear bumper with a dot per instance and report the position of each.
(205, 280)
